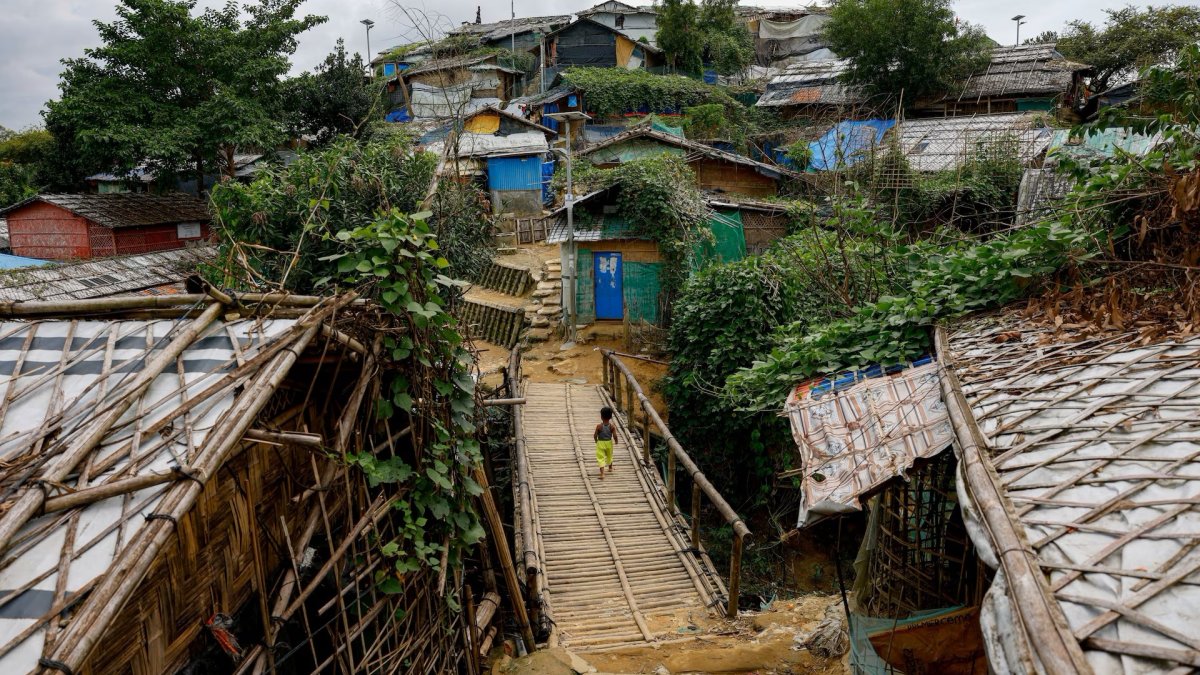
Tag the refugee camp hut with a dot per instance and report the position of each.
(524, 33)
(1017, 79)
(157, 273)
(536, 107)
(717, 171)
(880, 440)
(451, 87)
(618, 270)
(944, 144)
(636, 23)
(783, 37)
(761, 223)
(815, 89)
(1079, 464)
(73, 226)
(174, 498)
(516, 157)
(590, 43)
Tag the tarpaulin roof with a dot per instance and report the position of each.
(847, 143)
(16, 262)
(1090, 440)
(647, 131)
(856, 431)
(1100, 143)
(489, 145)
(811, 83)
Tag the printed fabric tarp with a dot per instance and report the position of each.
(847, 143)
(812, 24)
(857, 430)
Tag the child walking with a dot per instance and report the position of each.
(605, 436)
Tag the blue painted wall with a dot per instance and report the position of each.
(515, 173)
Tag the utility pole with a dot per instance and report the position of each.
(370, 57)
(1020, 22)
(569, 289)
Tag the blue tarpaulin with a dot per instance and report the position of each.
(547, 176)
(12, 262)
(847, 143)
(400, 115)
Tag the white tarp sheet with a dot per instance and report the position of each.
(806, 26)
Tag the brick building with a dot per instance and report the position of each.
(80, 226)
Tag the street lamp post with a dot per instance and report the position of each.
(569, 290)
(369, 24)
(1020, 22)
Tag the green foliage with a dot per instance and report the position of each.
(911, 46)
(396, 260)
(461, 222)
(175, 89)
(292, 214)
(800, 153)
(693, 35)
(727, 313)
(1131, 39)
(26, 164)
(706, 121)
(334, 99)
(677, 35)
(614, 91)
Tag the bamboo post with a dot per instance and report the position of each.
(629, 406)
(496, 526)
(735, 576)
(695, 515)
(671, 482)
(647, 440)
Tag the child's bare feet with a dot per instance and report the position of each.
(601, 474)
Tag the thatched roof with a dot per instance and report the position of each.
(100, 277)
(693, 148)
(111, 429)
(1081, 460)
(940, 143)
(1027, 70)
(128, 209)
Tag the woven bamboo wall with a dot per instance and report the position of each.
(220, 553)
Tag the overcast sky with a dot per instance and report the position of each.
(36, 34)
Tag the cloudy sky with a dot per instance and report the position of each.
(36, 34)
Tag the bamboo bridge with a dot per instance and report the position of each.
(610, 562)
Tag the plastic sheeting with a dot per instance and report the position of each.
(847, 143)
(812, 24)
(440, 102)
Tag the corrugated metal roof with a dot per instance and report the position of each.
(811, 82)
(856, 431)
(62, 376)
(129, 209)
(103, 277)
(937, 144)
(1093, 439)
(489, 32)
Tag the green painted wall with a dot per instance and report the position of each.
(728, 240)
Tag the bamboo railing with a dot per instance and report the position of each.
(627, 395)
(526, 545)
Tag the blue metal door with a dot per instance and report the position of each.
(609, 298)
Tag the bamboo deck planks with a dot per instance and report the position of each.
(612, 559)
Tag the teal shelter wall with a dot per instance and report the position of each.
(728, 240)
(585, 291)
(642, 285)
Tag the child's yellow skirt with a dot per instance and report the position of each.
(604, 452)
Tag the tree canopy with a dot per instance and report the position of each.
(1130, 40)
(173, 89)
(27, 163)
(911, 46)
(335, 98)
(694, 35)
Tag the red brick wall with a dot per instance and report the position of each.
(153, 238)
(45, 231)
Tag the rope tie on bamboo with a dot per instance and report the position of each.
(161, 516)
(55, 665)
(187, 474)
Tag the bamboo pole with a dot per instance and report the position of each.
(647, 441)
(118, 487)
(503, 401)
(496, 526)
(33, 497)
(695, 515)
(11, 308)
(111, 595)
(671, 483)
(735, 576)
(285, 438)
(1041, 617)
